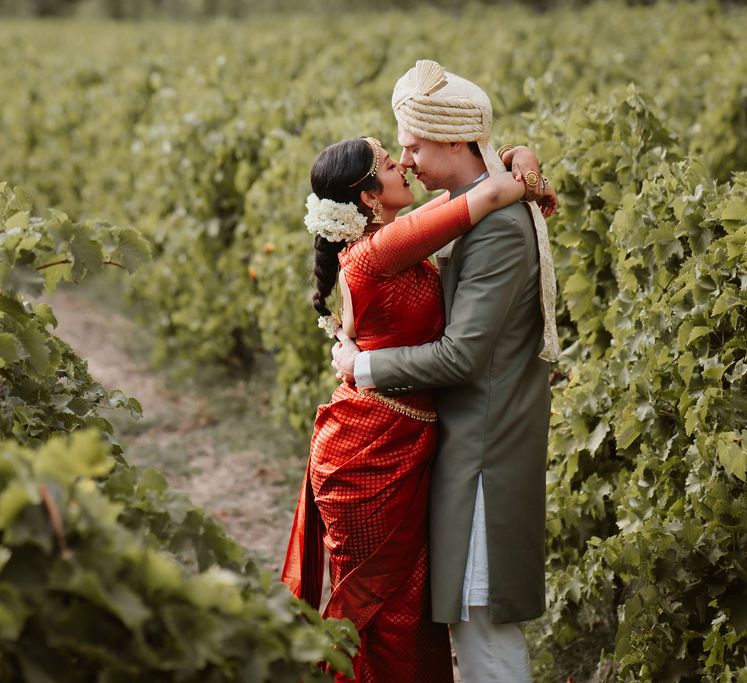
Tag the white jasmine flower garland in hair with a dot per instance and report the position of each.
(335, 221)
(329, 323)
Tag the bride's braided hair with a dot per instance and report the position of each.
(333, 171)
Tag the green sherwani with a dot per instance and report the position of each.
(493, 412)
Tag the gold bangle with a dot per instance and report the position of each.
(503, 149)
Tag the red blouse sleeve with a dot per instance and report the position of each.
(412, 238)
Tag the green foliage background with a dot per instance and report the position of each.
(202, 137)
(201, 9)
(106, 574)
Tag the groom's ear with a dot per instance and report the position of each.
(456, 147)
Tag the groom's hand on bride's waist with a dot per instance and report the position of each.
(343, 357)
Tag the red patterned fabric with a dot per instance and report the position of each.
(365, 493)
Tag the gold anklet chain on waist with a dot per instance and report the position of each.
(400, 406)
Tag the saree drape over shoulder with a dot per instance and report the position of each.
(365, 493)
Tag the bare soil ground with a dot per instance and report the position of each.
(213, 437)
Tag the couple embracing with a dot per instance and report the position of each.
(426, 474)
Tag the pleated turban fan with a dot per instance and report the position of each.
(434, 104)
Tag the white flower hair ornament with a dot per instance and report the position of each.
(329, 323)
(334, 221)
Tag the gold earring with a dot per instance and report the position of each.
(377, 208)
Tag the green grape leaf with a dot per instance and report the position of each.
(18, 220)
(733, 457)
(34, 343)
(11, 349)
(132, 248)
(85, 455)
(87, 255)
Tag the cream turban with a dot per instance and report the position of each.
(437, 105)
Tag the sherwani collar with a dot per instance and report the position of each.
(443, 254)
(465, 188)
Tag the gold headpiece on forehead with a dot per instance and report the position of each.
(375, 146)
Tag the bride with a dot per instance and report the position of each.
(365, 492)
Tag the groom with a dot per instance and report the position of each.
(488, 481)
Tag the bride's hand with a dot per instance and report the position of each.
(525, 166)
(548, 203)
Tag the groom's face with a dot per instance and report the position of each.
(428, 160)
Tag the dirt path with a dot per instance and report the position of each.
(215, 441)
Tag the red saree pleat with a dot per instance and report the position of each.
(304, 562)
(363, 591)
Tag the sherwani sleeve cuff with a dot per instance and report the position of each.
(362, 370)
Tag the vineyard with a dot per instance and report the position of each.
(199, 139)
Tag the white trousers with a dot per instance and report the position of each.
(490, 653)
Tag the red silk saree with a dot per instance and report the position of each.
(365, 492)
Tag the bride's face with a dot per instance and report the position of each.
(395, 190)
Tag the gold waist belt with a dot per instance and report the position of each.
(400, 406)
